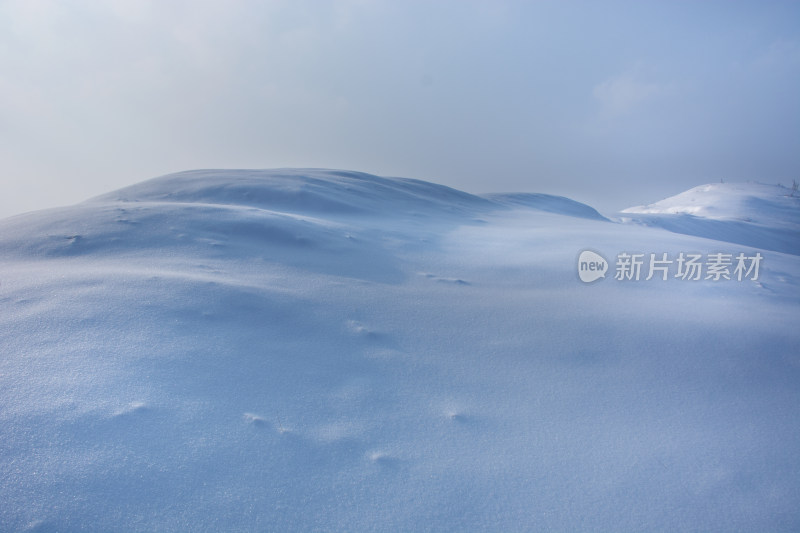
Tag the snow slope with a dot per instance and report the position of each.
(298, 350)
(752, 214)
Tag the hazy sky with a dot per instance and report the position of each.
(611, 103)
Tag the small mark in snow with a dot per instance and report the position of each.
(41, 526)
(383, 459)
(374, 338)
(261, 422)
(456, 417)
(131, 409)
(764, 286)
(256, 420)
(439, 279)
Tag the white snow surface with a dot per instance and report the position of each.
(303, 350)
(751, 202)
(753, 214)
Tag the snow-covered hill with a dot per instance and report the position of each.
(753, 214)
(298, 350)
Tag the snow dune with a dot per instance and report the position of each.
(752, 214)
(295, 350)
(308, 191)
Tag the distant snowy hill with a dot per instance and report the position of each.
(306, 191)
(547, 202)
(753, 214)
(306, 349)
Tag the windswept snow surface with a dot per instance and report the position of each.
(299, 350)
(753, 214)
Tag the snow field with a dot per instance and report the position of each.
(317, 350)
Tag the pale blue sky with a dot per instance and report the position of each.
(611, 103)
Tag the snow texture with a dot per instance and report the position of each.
(752, 214)
(301, 350)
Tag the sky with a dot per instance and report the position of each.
(610, 103)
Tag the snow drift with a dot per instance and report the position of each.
(752, 214)
(324, 350)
